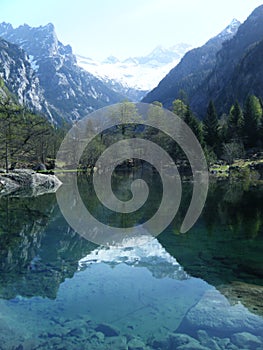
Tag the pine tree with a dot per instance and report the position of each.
(252, 121)
(179, 108)
(11, 132)
(194, 124)
(235, 122)
(182, 95)
(211, 127)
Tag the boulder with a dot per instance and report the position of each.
(40, 167)
(214, 313)
(136, 344)
(207, 341)
(119, 343)
(29, 181)
(246, 340)
(7, 185)
(107, 330)
(180, 339)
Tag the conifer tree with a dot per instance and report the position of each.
(179, 108)
(252, 121)
(235, 123)
(194, 124)
(211, 127)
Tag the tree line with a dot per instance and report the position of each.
(26, 139)
(234, 135)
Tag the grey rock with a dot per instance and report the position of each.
(225, 343)
(179, 339)
(39, 167)
(32, 183)
(100, 336)
(214, 312)
(246, 340)
(55, 341)
(118, 343)
(193, 346)
(207, 341)
(107, 330)
(161, 343)
(7, 185)
(76, 332)
(136, 344)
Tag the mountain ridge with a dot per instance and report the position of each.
(69, 92)
(193, 69)
(220, 85)
(223, 73)
(138, 72)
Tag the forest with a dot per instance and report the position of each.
(28, 139)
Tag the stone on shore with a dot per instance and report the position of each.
(28, 181)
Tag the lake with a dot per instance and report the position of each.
(198, 290)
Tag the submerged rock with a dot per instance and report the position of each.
(207, 341)
(107, 330)
(184, 342)
(214, 313)
(179, 339)
(99, 336)
(119, 343)
(246, 340)
(192, 347)
(136, 344)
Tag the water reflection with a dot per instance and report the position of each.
(227, 243)
(58, 289)
(38, 249)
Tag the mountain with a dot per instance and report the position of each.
(228, 67)
(247, 77)
(19, 78)
(192, 70)
(136, 75)
(238, 71)
(67, 91)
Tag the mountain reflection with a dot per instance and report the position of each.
(38, 250)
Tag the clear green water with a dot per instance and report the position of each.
(199, 290)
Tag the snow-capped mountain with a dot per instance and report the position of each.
(140, 73)
(196, 66)
(230, 29)
(68, 92)
(18, 76)
(226, 69)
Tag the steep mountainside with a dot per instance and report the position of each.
(247, 77)
(19, 77)
(193, 69)
(229, 70)
(238, 69)
(69, 91)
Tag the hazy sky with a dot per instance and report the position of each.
(123, 28)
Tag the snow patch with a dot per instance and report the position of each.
(33, 63)
(141, 73)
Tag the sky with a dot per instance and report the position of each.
(127, 28)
